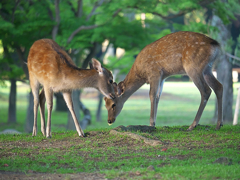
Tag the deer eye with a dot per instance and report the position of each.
(113, 105)
(110, 81)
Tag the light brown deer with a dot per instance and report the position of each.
(52, 67)
(177, 53)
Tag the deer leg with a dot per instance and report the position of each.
(68, 99)
(156, 86)
(35, 111)
(42, 100)
(205, 92)
(218, 90)
(49, 100)
(35, 90)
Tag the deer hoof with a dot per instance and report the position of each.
(49, 137)
(152, 124)
(191, 128)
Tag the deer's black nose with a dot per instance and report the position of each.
(111, 120)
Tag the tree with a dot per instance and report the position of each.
(225, 64)
(19, 27)
(224, 71)
(10, 70)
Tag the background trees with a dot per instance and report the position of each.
(81, 27)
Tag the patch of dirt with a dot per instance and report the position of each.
(141, 128)
(38, 176)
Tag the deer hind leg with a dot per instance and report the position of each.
(218, 90)
(35, 91)
(205, 92)
(155, 92)
(68, 99)
(49, 99)
(42, 100)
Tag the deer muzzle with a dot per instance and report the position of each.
(110, 121)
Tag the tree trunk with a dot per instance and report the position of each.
(87, 116)
(60, 103)
(30, 115)
(93, 51)
(99, 110)
(224, 75)
(12, 102)
(224, 71)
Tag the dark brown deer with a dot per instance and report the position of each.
(177, 53)
(51, 67)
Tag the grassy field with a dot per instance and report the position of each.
(178, 106)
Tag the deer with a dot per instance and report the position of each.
(52, 68)
(181, 52)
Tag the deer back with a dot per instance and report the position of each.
(174, 53)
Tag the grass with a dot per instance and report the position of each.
(189, 155)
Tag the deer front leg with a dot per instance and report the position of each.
(35, 91)
(42, 100)
(49, 99)
(35, 111)
(68, 99)
(155, 92)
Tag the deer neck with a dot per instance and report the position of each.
(132, 84)
(81, 78)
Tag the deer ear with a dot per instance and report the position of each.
(90, 65)
(115, 87)
(121, 88)
(97, 66)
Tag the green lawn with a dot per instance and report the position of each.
(199, 154)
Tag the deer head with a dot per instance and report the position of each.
(114, 106)
(105, 79)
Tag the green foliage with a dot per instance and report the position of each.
(193, 26)
(23, 23)
(20, 26)
(225, 10)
